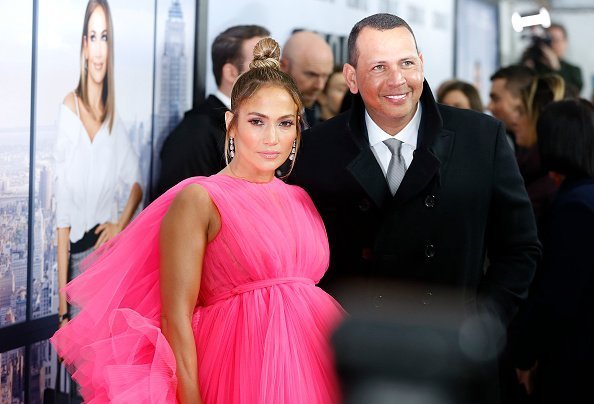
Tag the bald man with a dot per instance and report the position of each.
(309, 60)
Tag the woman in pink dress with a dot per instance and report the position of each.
(209, 295)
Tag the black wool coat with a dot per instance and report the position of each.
(196, 146)
(461, 204)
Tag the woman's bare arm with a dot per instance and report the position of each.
(190, 222)
(63, 243)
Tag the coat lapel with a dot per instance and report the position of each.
(364, 167)
(366, 170)
(433, 148)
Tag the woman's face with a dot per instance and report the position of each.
(522, 127)
(96, 45)
(335, 92)
(456, 98)
(265, 129)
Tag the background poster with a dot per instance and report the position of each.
(477, 25)
(153, 51)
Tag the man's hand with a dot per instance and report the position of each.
(550, 58)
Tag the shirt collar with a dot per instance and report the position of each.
(407, 135)
(224, 99)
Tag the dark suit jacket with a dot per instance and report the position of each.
(572, 75)
(461, 197)
(196, 145)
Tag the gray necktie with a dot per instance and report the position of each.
(397, 166)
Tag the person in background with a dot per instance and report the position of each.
(417, 192)
(505, 97)
(554, 353)
(572, 74)
(546, 54)
(540, 186)
(210, 295)
(460, 94)
(93, 156)
(196, 145)
(308, 58)
(331, 99)
(541, 189)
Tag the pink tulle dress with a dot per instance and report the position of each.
(261, 326)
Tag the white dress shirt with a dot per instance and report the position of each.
(224, 99)
(89, 175)
(408, 136)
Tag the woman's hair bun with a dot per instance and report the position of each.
(266, 54)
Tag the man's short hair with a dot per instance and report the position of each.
(380, 22)
(517, 78)
(226, 47)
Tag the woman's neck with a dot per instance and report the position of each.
(233, 170)
(94, 98)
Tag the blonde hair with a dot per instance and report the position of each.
(108, 93)
(264, 72)
(543, 90)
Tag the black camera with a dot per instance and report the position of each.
(533, 55)
(538, 36)
(541, 39)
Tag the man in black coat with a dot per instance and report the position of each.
(461, 202)
(196, 145)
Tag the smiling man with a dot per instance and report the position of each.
(415, 192)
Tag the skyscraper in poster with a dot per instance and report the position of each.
(172, 79)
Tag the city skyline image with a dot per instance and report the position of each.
(28, 284)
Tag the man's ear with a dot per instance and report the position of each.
(284, 65)
(230, 73)
(228, 118)
(350, 76)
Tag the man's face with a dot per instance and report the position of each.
(504, 105)
(310, 72)
(558, 41)
(389, 76)
(247, 53)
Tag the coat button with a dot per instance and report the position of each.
(364, 205)
(427, 297)
(429, 250)
(430, 201)
(378, 301)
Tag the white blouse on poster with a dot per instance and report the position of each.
(89, 175)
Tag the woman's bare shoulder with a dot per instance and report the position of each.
(70, 102)
(193, 209)
(192, 201)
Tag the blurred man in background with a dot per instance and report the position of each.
(309, 60)
(196, 145)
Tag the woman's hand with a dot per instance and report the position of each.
(109, 230)
(106, 232)
(63, 319)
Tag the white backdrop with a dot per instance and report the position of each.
(432, 21)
